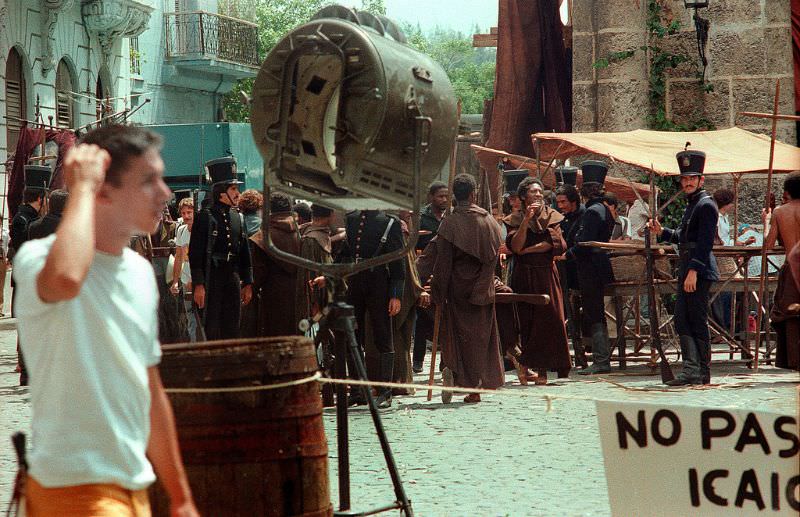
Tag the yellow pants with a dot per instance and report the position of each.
(96, 500)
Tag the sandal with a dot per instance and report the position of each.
(472, 398)
(541, 378)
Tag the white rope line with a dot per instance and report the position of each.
(548, 398)
(240, 389)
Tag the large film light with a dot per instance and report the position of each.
(342, 105)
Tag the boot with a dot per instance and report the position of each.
(384, 399)
(691, 372)
(601, 351)
(704, 349)
(580, 353)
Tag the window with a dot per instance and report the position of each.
(16, 99)
(136, 64)
(64, 101)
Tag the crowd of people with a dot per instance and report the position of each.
(204, 273)
(216, 279)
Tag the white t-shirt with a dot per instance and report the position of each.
(88, 359)
(182, 236)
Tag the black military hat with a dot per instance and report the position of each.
(37, 176)
(223, 170)
(567, 175)
(594, 171)
(180, 195)
(691, 163)
(512, 179)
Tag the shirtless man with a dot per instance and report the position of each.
(784, 226)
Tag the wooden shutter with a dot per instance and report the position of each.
(63, 97)
(16, 100)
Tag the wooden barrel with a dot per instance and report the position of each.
(248, 452)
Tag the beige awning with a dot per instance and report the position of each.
(728, 151)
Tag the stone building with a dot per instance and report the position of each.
(749, 47)
(182, 55)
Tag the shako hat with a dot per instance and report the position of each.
(594, 171)
(223, 170)
(512, 179)
(566, 175)
(37, 176)
(690, 162)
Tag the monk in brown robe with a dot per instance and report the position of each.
(535, 245)
(278, 305)
(466, 250)
(784, 226)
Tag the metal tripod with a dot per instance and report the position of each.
(340, 318)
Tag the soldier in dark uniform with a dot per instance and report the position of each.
(594, 266)
(371, 233)
(697, 269)
(219, 255)
(569, 204)
(37, 181)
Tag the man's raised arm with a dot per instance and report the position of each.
(72, 253)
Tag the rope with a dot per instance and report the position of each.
(240, 389)
(548, 398)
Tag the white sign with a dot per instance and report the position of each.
(682, 460)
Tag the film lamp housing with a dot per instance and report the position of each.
(343, 110)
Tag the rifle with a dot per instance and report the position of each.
(655, 334)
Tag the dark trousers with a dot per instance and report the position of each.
(223, 302)
(691, 319)
(423, 330)
(368, 293)
(691, 310)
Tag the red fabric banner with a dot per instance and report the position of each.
(533, 79)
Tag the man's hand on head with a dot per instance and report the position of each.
(85, 165)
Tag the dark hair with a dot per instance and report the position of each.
(592, 190)
(32, 194)
(251, 201)
(217, 189)
(320, 211)
(570, 192)
(435, 187)
(463, 186)
(122, 143)
(57, 201)
(280, 202)
(611, 199)
(792, 185)
(525, 185)
(723, 197)
(302, 209)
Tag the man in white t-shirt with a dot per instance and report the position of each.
(88, 327)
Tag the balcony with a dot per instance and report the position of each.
(209, 42)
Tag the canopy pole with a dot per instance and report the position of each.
(736, 179)
(764, 269)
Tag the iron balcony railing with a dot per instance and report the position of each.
(210, 35)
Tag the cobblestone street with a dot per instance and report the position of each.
(508, 455)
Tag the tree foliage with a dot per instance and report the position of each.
(471, 70)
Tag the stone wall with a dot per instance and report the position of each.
(749, 49)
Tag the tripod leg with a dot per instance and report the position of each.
(342, 426)
(361, 372)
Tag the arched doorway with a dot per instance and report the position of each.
(16, 98)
